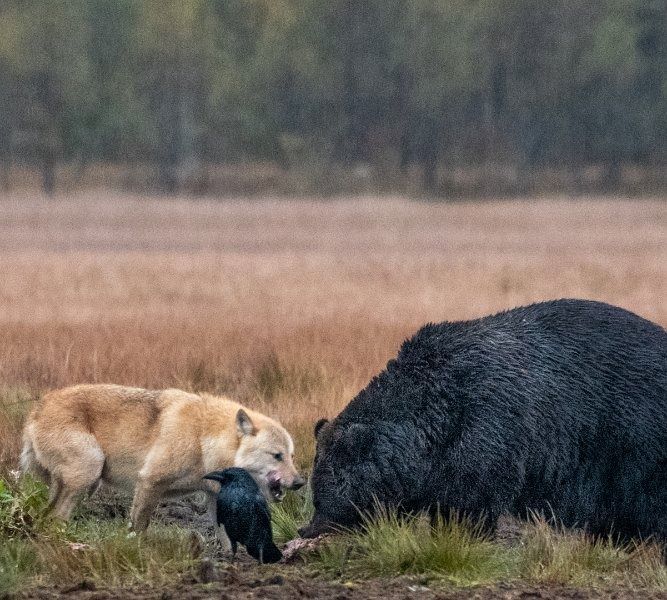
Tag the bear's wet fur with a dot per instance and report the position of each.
(559, 407)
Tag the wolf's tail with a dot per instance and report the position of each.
(28, 462)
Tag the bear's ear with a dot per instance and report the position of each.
(244, 425)
(318, 426)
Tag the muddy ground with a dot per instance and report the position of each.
(217, 578)
(243, 583)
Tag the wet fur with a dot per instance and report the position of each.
(558, 407)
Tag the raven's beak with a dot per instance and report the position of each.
(215, 476)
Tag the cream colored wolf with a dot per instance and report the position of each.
(159, 443)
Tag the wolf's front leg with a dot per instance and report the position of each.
(147, 494)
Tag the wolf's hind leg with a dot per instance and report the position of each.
(65, 503)
(92, 490)
(80, 469)
(55, 487)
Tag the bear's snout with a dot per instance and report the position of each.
(307, 532)
(315, 528)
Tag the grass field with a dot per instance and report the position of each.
(290, 307)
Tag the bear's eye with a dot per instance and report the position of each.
(278, 456)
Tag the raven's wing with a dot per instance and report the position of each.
(260, 539)
(254, 542)
(238, 517)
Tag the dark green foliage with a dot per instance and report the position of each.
(22, 507)
(318, 86)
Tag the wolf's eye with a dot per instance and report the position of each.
(278, 456)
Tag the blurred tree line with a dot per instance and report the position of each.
(391, 85)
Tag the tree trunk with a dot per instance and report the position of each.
(402, 120)
(429, 155)
(352, 129)
(614, 174)
(6, 140)
(169, 131)
(404, 152)
(430, 163)
(5, 173)
(5, 159)
(49, 174)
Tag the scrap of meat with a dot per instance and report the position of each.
(297, 546)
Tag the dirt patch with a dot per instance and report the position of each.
(247, 581)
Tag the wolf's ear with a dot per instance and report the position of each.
(318, 426)
(244, 425)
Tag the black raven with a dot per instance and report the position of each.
(243, 512)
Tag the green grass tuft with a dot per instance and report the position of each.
(23, 505)
(553, 555)
(105, 554)
(293, 512)
(18, 564)
(387, 545)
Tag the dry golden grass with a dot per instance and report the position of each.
(289, 306)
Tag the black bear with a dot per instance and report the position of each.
(558, 407)
(243, 512)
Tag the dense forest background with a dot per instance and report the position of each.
(455, 96)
